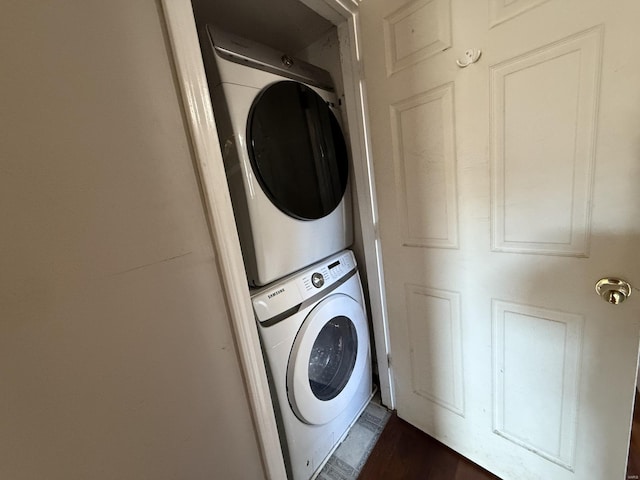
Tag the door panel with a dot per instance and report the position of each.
(434, 333)
(506, 189)
(503, 10)
(543, 112)
(416, 31)
(427, 197)
(530, 344)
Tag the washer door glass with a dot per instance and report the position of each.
(332, 358)
(329, 360)
(297, 150)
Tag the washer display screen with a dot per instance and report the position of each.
(332, 358)
(297, 150)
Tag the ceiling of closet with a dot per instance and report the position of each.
(286, 25)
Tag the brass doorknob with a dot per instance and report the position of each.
(613, 290)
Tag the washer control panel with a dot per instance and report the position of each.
(282, 295)
(329, 272)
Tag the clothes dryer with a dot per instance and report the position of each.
(285, 156)
(315, 338)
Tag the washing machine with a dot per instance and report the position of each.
(285, 155)
(315, 338)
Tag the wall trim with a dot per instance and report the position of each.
(192, 81)
(358, 118)
(193, 86)
(344, 14)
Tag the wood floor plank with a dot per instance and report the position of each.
(467, 470)
(633, 465)
(405, 453)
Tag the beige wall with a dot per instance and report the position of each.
(116, 354)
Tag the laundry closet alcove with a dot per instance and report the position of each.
(192, 80)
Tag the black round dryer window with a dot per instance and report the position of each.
(332, 358)
(297, 150)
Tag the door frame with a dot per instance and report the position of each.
(192, 82)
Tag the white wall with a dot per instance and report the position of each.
(116, 354)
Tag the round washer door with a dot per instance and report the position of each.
(328, 359)
(297, 150)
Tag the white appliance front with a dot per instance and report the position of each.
(324, 357)
(286, 161)
(315, 337)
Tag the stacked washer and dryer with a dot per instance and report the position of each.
(287, 168)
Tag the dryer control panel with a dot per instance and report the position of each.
(290, 293)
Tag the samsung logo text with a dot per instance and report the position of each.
(277, 292)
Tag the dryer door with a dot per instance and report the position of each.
(297, 150)
(328, 359)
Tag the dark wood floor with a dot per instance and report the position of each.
(633, 466)
(405, 453)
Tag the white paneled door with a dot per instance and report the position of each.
(506, 189)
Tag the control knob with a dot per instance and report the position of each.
(317, 279)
